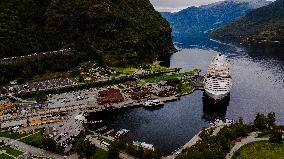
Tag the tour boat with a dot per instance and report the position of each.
(122, 132)
(155, 102)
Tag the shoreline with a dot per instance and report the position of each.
(90, 106)
(216, 126)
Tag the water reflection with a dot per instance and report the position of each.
(200, 41)
(257, 87)
(214, 110)
(154, 108)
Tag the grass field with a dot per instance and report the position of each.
(100, 154)
(132, 70)
(11, 135)
(168, 77)
(4, 156)
(186, 88)
(261, 150)
(11, 151)
(34, 139)
(39, 140)
(124, 70)
(157, 68)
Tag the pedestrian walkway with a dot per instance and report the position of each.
(244, 141)
(28, 148)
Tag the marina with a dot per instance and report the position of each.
(143, 110)
(142, 79)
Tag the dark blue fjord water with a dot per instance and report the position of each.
(258, 76)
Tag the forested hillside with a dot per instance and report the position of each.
(118, 30)
(264, 25)
(208, 17)
(111, 32)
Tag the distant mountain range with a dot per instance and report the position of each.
(209, 17)
(263, 25)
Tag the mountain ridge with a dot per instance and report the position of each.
(208, 17)
(253, 3)
(263, 25)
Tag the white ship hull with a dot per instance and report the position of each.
(217, 87)
(217, 96)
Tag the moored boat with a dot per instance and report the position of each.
(155, 102)
(218, 81)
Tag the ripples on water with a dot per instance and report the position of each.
(258, 86)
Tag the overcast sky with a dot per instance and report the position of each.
(176, 5)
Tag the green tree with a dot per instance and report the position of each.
(113, 152)
(271, 119)
(276, 136)
(75, 72)
(84, 148)
(260, 122)
(51, 145)
(41, 97)
(81, 79)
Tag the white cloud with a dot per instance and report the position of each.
(176, 5)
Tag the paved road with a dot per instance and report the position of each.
(217, 130)
(28, 148)
(71, 127)
(195, 139)
(238, 145)
(187, 145)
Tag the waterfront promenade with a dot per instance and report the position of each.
(31, 149)
(249, 139)
(217, 126)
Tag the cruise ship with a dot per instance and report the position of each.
(218, 81)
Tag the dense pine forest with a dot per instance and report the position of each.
(111, 32)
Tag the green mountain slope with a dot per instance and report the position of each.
(264, 25)
(119, 31)
(208, 17)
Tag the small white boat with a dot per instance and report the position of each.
(155, 102)
(121, 132)
(143, 145)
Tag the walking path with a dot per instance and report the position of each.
(195, 139)
(28, 148)
(244, 141)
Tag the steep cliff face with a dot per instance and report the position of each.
(261, 26)
(119, 31)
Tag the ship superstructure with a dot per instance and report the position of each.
(219, 67)
(218, 81)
